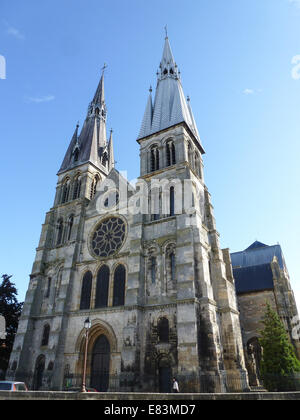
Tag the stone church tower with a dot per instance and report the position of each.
(156, 286)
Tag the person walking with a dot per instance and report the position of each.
(175, 385)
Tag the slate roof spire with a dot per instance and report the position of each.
(92, 141)
(147, 120)
(170, 106)
(99, 97)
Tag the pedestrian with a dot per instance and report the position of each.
(175, 385)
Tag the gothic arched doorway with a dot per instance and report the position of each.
(164, 375)
(100, 364)
(39, 372)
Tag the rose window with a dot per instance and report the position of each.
(108, 237)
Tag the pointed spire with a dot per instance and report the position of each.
(70, 152)
(194, 125)
(75, 135)
(99, 98)
(168, 67)
(167, 57)
(111, 157)
(170, 106)
(92, 141)
(147, 120)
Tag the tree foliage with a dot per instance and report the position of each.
(279, 362)
(11, 309)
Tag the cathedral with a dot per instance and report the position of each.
(129, 287)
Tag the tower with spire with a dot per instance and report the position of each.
(88, 161)
(188, 282)
(154, 287)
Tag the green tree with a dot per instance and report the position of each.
(11, 309)
(279, 362)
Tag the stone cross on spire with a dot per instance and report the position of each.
(166, 30)
(103, 68)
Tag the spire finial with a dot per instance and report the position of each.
(166, 30)
(150, 89)
(103, 68)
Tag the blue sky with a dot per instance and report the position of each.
(239, 62)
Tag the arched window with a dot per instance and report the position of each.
(86, 289)
(65, 191)
(171, 155)
(94, 186)
(154, 159)
(46, 333)
(60, 231)
(119, 286)
(163, 330)
(70, 226)
(172, 201)
(102, 287)
(76, 187)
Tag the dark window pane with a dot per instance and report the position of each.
(102, 287)
(46, 333)
(163, 330)
(172, 203)
(86, 290)
(119, 286)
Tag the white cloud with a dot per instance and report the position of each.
(2, 67)
(296, 68)
(40, 99)
(248, 92)
(251, 91)
(12, 31)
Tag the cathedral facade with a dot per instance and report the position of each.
(142, 263)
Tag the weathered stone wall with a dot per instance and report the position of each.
(252, 308)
